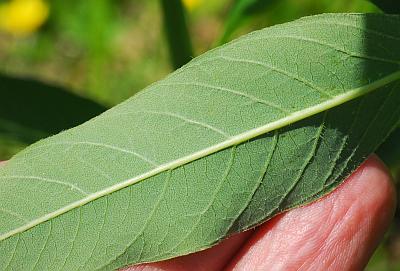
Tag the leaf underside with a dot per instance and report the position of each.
(268, 122)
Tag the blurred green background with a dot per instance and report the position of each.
(110, 49)
(85, 56)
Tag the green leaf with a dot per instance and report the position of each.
(388, 6)
(31, 110)
(268, 122)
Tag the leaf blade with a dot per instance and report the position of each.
(194, 119)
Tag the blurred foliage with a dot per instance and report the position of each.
(390, 150)
(177, 33)
(42, 110)
(107, 50)
(110, 49)
(388, 6)
(240, 10)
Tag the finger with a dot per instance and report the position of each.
(211, 259)
(339, 232)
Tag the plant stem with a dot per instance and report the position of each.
(177, 32)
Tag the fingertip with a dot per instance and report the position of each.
(372, 189)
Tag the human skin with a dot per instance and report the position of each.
(338, 232)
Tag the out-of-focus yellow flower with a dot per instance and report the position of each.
(191, 4)
(23, 17)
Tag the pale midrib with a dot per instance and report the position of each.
(235, 140)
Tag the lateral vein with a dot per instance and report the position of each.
(232, 141)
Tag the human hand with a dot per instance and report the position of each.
(338, 232)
